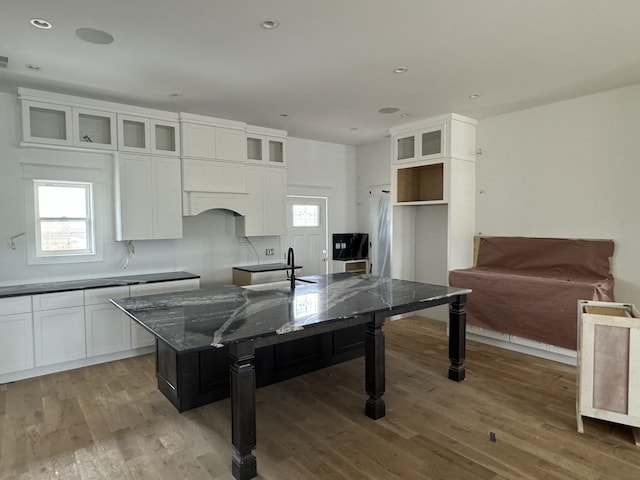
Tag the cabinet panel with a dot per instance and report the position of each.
(59, 335)
(265, 203)
(134, 196)
(46, 123)
(275, 189)
(167, 198)
(97, 296)
(107, 329)
(198, 141)
(212, 176)
(230, 145)
(16, 342)
(49, 301)
(12, 305)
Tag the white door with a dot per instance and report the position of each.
(307, 234)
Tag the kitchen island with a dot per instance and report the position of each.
(245, 321)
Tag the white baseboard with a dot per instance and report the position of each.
(522, 345)
(85, 362)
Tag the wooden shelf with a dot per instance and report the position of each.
(421, 184)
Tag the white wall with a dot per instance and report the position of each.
(209, 247)
(568, 169)
(373, 170)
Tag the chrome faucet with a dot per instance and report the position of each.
(291, 262)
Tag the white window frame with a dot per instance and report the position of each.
(88, 219)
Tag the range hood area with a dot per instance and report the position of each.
(194, 203)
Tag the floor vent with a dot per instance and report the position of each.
(4, 61)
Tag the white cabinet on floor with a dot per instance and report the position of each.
(148, 197)
(265, 203)
(16, 334)
(58, 325)
(107, 327)
(139, 336)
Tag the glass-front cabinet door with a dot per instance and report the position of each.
(406, 148)
(133, 134)
(266, 150)
(254, 148)
(46, 123)
(276, 151)
(165, 138)
(94, 129)
(431, 143)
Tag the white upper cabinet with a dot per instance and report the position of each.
(148, 198)
(424, 144)
(165, 137)
(133, 134)
(198, 141)
(64, 120)
(46, 123)
(94, 129)
(213, 138)
(266, 146)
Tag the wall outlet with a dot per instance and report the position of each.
(270, 251)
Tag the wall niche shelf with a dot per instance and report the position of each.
(424, 183)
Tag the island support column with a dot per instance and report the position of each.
(243, 410)
(374, 366)
(457, 338)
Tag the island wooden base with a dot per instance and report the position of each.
(193, 379)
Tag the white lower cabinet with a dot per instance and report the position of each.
(72, 328)
(107, 327)
(58, 327)
(16, 334)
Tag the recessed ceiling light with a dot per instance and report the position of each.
(400, 70)
(270, 23)
(474, 95)
(353, 129)
(389, 110)
(40, 23)
(175, 95)
(33, 66)
(284, 115)
(92, 35)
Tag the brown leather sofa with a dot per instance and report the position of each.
(530, 287)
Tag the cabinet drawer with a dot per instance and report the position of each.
(102, 295)
(50, 301)
(11, 305)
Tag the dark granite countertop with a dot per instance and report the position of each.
(221, 315)
(267, 267)
(86, 284)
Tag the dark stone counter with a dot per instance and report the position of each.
(218, 316)
(86, 284)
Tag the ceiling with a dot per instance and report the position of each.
(329, 65)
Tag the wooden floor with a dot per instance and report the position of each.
(110, 422)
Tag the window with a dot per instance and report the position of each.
(63, 218)
(306, 216)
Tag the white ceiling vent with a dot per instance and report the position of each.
(4, 61)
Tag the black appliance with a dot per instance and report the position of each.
(350, 246)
